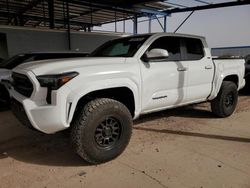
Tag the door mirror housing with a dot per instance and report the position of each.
(155, 54)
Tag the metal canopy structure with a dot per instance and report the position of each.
(84, 14)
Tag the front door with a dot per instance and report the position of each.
(164, 81)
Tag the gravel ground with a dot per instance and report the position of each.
(184, 147)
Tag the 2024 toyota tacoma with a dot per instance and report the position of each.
(98, 96)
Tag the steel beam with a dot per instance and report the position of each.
(153, 11)
(30, 6)
(211, 6)
(102, 6)
(159, 22)
(41, 18)
(184, 21)
(175, 4)
(201, 1)
(119, 4)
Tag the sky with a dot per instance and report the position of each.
(222, 27)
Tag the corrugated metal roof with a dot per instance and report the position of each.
(88, 13)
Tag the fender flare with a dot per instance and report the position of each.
(217, 85)
(74, 97)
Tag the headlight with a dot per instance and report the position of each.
(54, 82)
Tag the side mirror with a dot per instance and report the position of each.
(155, 54)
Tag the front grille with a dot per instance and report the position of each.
(22, 84)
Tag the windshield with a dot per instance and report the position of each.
(123, 47)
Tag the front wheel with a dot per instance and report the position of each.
(225, 103)
(101, 130)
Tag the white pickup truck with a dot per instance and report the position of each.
(98, 96)
(14, 61)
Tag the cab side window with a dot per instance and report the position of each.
(194, 49)
(171, 44)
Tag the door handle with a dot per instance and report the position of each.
(208, 67)
(182, 69)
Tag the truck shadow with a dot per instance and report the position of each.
(3, 109)
(192, 134)
(245, 91)
(191, 111)
(33, 147)
(37, 148)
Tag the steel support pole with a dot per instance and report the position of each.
(165, 24)
(150, 24)
(21, 21)
(64, 16)
(135, 24)
(51, 14)
(68, 24)
(44, 20)
(124, 26)
(91, 18)
(8, 9)
(115, 23)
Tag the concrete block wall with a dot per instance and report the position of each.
(21, 40)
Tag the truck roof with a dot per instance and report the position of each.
(171, 34)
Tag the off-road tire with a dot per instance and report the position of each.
(84, 130)
(225, 102)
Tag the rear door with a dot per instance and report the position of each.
(200, 69)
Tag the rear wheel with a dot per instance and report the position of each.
(225, 103)
(101, 130)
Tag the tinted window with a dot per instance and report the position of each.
(171, 44)
(123, 47)
(194, 49)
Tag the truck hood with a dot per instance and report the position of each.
(66, 65)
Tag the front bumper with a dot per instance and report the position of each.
(18, 110)
(35, 112)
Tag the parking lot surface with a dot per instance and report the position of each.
(183, 147)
